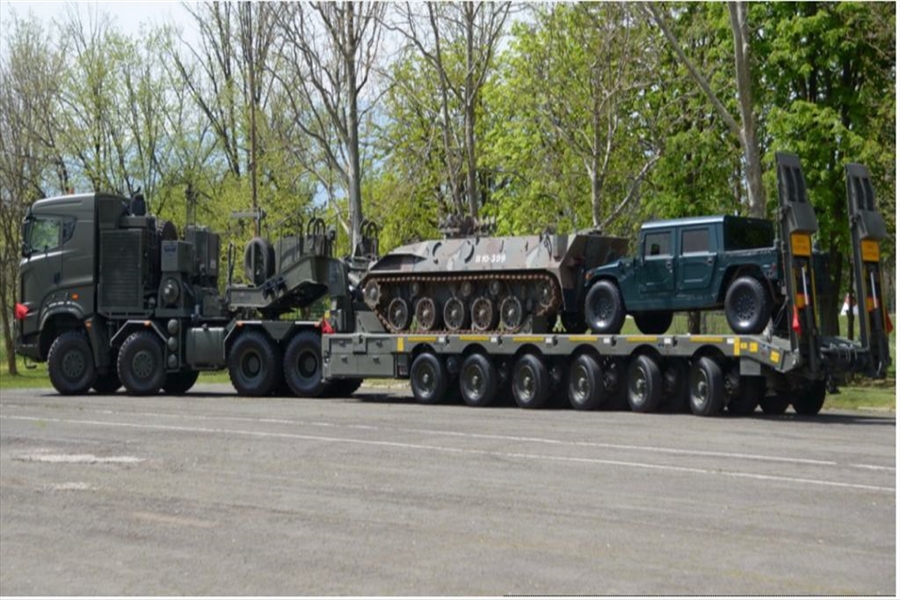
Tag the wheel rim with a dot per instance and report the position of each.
(545, 297)
(511, 313)
(700, 387)
(581, 385)
(372, 294)
(143, 364)
(474, 381)
(426, 313)
(745, 306)
(454, 314)
(426, 377)
(639, 386)
(74, 364)
(398, 314)
(307, 364)
(251, 364)
(525, 383)
(482, 314)
(603, 308)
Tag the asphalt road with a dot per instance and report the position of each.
(212, 494)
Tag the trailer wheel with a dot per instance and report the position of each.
(675, 386)
(71, 363)
(478, 381)
(141, 367)
(645, 384)
(585, 383)
(810, 400)
(341, 388)
(107, 383)
(303, 365)
(747, 306)
(179, 383)
(654, 323)
(707, 387)
(751, 392)
(604, 308)
(428, 378)
(530, 382)
(775, 405)
(254, 365)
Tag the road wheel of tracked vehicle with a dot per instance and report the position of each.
(585, 383)
(546, 296)
(604, 308)
(484, 317)
(254, 364)
(179, 383)
(303, 365)
(707, 387)
(71, 363)
(511, 314)
(653, 323)
(428, 379)
(372, 294)
(141, 368)
(398, 315)
(747, 306)
(455, 314)
(426, 313)
(809, 401)
(107, 383)
(751, 392)
(573, 322)
(478, 381)
(530, 382)
(645, 385)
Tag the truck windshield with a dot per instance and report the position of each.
(746, 235)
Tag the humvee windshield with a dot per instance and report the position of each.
(746, 235)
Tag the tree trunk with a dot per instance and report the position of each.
(6, 308)
(354, 192)
(471, 175)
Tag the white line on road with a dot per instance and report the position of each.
(407, 446)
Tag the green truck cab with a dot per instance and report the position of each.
(696, 263)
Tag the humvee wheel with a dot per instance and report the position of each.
(654, 323)
(747, 306)
(645, 385)
(478, 381)
(426, 313)
(530, 382)
(707, 387)
(71, 363)
(428, 379)
(254, 364)
(179, 383)
(585, 383)
(604, 308)
(303, 365)
(398, 314)
(810, 400)
(141, 367)
(455, 314)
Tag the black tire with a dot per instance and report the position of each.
(254, 364)
(707, 387)
(303, 365)
(179, 383)
(585, 383)
(342, 388)
(478, 381)
(71, 363)
(428, 379)
(645, 385)
(654, 323)
(809, 401)
(752, 391)
(748, 306)
(604, 308)
(140, 364)
(107, 383)
(675, 386)
(775, 404)
(573, 322)
(530, 382)
(259, 261)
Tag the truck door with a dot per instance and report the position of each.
(696, 260)
(657, 274)
(41, 267)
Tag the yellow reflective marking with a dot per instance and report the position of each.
(475, 338)
(584, 338)
(708, 339)
(869, 250)
(754, 347)
(801, 244)
(640, 338)
(399, 344)
(737, 346)
(528, 338)
(775, 356)
(422, 338)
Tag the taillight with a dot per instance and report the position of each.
(795, 325)
(21, 311)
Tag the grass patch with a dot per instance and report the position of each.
(862, 398)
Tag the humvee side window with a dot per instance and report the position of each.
(44, 235)
(695, 240)
(658, 244)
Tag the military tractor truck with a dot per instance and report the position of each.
(110, 297)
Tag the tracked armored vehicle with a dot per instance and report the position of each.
(470, 281)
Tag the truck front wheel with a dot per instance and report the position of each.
(747, 306)
(71, 363)
(604, 308)
(141, 368)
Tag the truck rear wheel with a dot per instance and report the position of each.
(530, 382)
(254, 365)
(604, 308)
(654, 323)
(585, 383)
(748, 306)
(478, 381)
(428, 378)
(645, 385)
(752, 391)
(707, 387)
(810, 400)
(179, 383)
(303, 365)
(71, 363)
(141, 367)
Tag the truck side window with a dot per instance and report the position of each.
(44, 235)
(658, 244)
(68, 229)
(695, 241)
